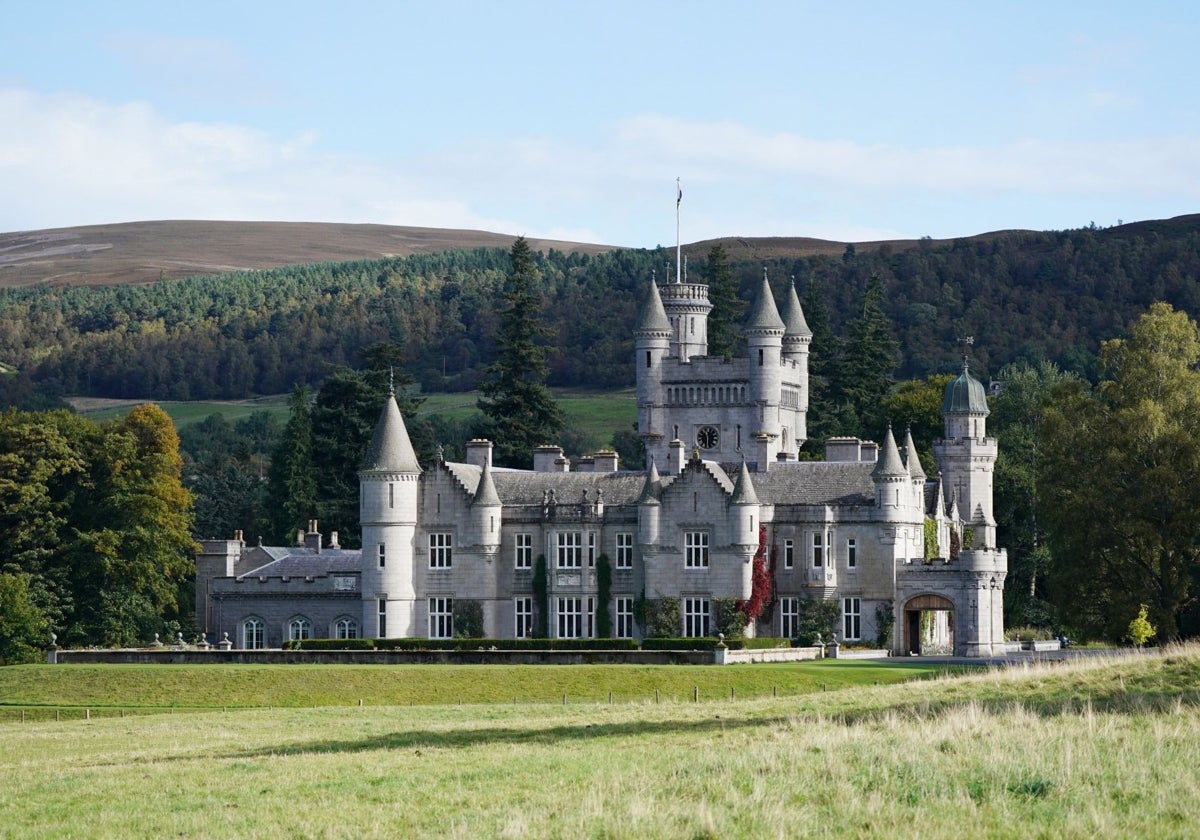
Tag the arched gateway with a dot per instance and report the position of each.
(929, 625)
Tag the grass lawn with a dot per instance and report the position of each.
(1094, 748)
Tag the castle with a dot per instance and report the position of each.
(514, 552)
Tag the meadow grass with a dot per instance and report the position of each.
(1105, 747)
(39, 690)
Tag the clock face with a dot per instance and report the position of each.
(708, 437)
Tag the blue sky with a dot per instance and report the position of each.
(848, 121)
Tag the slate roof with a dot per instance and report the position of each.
(521, 487)
(793, 315)
(816, 483)
(390, 449)
(765, 315)
(653, 317)
(300, 561)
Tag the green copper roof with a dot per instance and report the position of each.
(965, 395)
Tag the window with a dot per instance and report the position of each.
(391, 495)
(695, 547)
(440, 548)
(591, 617)
(695, 617)
(523, 546)
(851, 553)
(441, 618)
(624, 618)
(570, 618)
(789, 554)
(851, 615)
(523, 609)
(818, 549)
(253, 637)
(382, 632)
(570, 550)
(299, 628)
(381, 553)
(789, 617)
(625, 550)
(345, 628)
(591, 549)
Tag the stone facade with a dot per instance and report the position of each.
(457, 544)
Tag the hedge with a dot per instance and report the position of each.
(710, 643)
(332, 644)
(505, 644)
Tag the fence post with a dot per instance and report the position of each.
(695, 694)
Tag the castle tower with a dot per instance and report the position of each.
(796, 340)
(389, 493)
(967, 456)
(764, 338)
(652, 338)
(686, 306)
(893, 484)
(486, 510)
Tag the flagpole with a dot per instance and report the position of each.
(678, 247)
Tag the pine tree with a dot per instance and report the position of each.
(293, 477)
(724, 322)
(520, 409)
(864, 371)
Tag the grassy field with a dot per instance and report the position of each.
(596, 413)
(1095, 748)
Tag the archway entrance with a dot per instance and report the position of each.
(929, 626)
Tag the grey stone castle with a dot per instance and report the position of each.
(721, 487)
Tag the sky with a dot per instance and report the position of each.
(851, 121)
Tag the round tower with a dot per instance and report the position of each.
(967, 456)
(652, 338)
(389, 491)
(486, 509)
(686, 306)
(893, 484)
(764, 339)
(796, 340)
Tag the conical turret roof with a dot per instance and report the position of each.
(485, 493)
(650, 488)
(793, 315)
(765, 315)
(889, 464)
(390, 449)
(743, 491)
(653, 317)
(912, 459)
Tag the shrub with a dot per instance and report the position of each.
(468, 619)
(660, 617)
(731, 618)
(332, 644)
(885, 616)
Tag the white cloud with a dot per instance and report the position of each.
(69, 159)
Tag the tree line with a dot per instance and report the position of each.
(1025, 296)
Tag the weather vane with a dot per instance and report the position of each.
(967, 342)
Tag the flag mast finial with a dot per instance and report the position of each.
(678, 248)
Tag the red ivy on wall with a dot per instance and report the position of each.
(762, 588)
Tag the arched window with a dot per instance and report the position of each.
(299, 628)
(345, 628)
(253, 635)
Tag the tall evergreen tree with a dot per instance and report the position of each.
(725, 320)
(521, 411)
(293, 476)
(864, 371)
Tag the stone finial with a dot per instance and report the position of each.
(224, 644)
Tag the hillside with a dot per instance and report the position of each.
(144, 252)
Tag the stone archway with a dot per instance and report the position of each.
(929, 625)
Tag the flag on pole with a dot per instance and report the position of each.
(679, 193)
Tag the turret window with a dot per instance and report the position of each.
(381, 554)
(440, 550)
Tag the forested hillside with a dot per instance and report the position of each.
(1023, 295)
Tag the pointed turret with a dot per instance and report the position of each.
(390, 451)
(651, 487)
(650, 508)
(889, 465)
(743, 491)
(795, 326)
(485, 493)
(653, 317)
(911, 459)
(765, 315)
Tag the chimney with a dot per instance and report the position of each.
(313, 538)
(675, 457)
(333, 539)
(550, 458)
(605, 461)
(479, 452)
